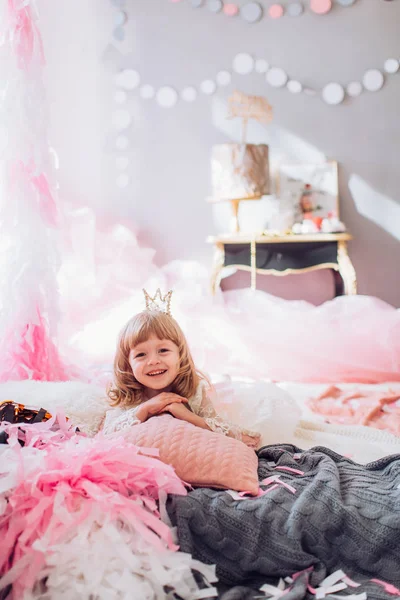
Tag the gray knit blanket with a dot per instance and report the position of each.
(342, 516)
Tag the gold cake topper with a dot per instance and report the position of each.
(249, 107)
(158, 302)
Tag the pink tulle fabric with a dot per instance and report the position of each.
(245, 333)
(60, 485)
(238, 333)
(377, 409)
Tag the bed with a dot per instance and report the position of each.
(328, 526)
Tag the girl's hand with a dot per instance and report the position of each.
(157, 404)
(179, 411)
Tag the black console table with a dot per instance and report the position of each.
(285, 255)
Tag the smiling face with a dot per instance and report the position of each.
(152, 356)
(155, 364)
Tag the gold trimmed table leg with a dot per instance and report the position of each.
(235, 227)
(253, 264)
(217, 266)
(346, 269)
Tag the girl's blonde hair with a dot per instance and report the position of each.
(126, 391)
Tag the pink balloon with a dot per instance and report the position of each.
(275, 11)
(321, 7)
(231, 10)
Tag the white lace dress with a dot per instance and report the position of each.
(200, 404)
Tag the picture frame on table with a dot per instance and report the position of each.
(309, 189)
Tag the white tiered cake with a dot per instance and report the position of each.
(240, 171)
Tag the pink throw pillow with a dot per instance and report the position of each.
(200, 457)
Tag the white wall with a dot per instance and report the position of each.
(171, 43)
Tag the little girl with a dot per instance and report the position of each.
(154, 373)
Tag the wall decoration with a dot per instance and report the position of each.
(354, 89)
(243, 63)
(147, 92)
(309, 91)
(295, 9)
(261, 65)
(166, 96)
(231, 10)
(189, 94)
(373, 80)
(276, 77)
(122, 180)
(120, 19)
(215, 6)
(253, 12)
(208, 87)
(294, 86)
(275, 11)
(333, 93)
(126, 80)
(391, 65)
(321, 7)
(223, 78)
(122, 142)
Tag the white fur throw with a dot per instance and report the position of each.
(84, 404)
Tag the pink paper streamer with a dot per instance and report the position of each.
(273, 487)
(32, 354)
(278, 481)
(389, 588)
(29, 290)
(40, 185)
(249, 496)
(24, 35)
(52, 502)
(270, 479)
(290, 470)
(287, 486)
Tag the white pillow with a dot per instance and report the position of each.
(259, 406)
(85, 404)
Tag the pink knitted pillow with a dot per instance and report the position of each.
(200, 457)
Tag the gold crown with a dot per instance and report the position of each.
(159, 302)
